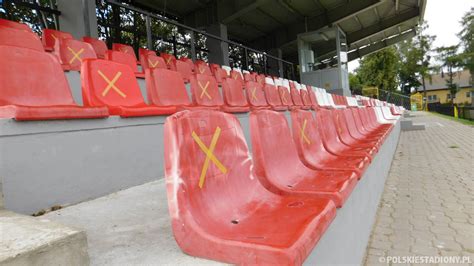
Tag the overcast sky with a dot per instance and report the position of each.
(443, 19)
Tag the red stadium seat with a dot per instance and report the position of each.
(296, 98)
(280, 169)
(72, 52)
(185, 70)
(205, 91)
(311, 149)
(306, 99)
(219, 210)
(150, 60)
(20, 38)
(99, 46)
(255, 96)
(170, 60)
(14, 25)
(260, 79)
(234, 97)
(189, 62)
(249, 77)
(355, 132)
(124, 49)
(50, 36)
(234, 74)
(286, 98)
(144, 52)
(201, 67)
(331, 141)
(363, 128)
(166, 88)
(220, 75)
(345, 136)
(111, 84)
(214, 67)
(126, 59)
(33, 87)
(273, 97)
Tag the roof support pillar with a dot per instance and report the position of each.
(218, 50)
(78, 17)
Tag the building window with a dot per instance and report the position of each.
(435, 97)
(469, 94)
(449, 96)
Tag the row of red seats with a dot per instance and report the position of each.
(274, 207)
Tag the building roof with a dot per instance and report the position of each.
(438, 81)
(370, 25)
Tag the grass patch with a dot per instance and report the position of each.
(460, 120)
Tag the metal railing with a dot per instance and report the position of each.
(246, 64)
(395, 98)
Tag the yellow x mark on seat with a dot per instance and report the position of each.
(254, 90)
(54, 36)
(201, 70)
(111, 84)
(236, 75)
(303, 135)
(75, 55)
(151, 63)
(339, 129)
(168, 60)
(204, 90)
(209, 155)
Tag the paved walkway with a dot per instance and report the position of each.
(427, 205)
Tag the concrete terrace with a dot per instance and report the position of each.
(427, 207)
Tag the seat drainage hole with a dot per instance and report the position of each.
(296, 204)
(290, 186)
(235, 221)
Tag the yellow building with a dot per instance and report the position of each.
(437, 92)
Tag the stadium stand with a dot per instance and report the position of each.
(226, 203)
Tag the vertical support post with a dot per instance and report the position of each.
(193, 45)
(280, 63)
(338, 48)
(175, 50)
(264, 64)
(246, 58)
(149, 40)
(85, 11)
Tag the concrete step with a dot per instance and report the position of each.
(407, 125)
(26, 240)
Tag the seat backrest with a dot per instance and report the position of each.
(123, 58)
(124, 49)
(296, 97)
(50, 36)
(32, 78)
(285, 96)
(249, 77)
(145, 52)
(307, 137)
(237, 75)
(166, 88)
(190, 62)
(305, 97)
(220, 75)
(329, 131)
(255, 94)
(201, 67)
(14, 25)
(184, 69)
(205, 91)
(108, 83)
(233, 93)
(214, 68)
(99, 46)
(72, 52)
(260, 79)
(149, 60)
(20, 38)
(269, 128)
(170, 60)
(220, 190)
(272, 95)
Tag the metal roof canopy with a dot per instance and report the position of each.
(370, 25)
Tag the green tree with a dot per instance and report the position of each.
(380, 69)
(409, 71)
(466, 35)
(450, 61)
(355, 84)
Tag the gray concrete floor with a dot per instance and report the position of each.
(427, 208)
(128, 227)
